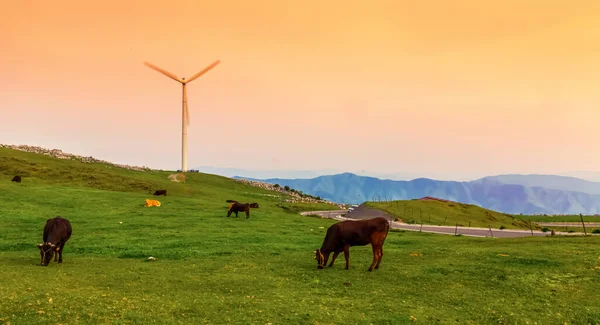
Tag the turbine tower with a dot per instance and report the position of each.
(185, 117)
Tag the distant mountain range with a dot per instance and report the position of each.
(527, 194)
(593, 176)
(295, 174)
(292, 174)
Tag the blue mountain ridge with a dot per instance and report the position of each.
(514, 194)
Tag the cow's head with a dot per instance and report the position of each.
(47, 251)
(320, 259)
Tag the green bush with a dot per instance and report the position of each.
(596, 231)
(545, 229)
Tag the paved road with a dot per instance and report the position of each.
(367, 213)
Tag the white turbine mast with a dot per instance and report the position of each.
(185, 117)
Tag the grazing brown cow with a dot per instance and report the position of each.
(56, 233)
(341, 236)
(161, 192)
(16, 179)
(236, 207)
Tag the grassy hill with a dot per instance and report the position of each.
(431, 212)
(44, 170)
(218, 270)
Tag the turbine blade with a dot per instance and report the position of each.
(203, 71)
(166, 73)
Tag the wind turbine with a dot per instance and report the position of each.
(185, 117)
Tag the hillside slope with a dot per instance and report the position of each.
(431, 212)
(487, 193)
(37, 169)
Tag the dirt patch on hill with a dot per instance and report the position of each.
(180, 178)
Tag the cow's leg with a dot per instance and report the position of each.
(229, 213)
(247, 213)
(334, 257)
(347, 255)
(60, 251)
(380, 256)
(380, 245)
(236, 212)
(375, 253)
(56, 255)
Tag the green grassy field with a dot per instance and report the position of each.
(449, 213)
(218, 270)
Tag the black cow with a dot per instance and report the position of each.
(56, 233)
(341, 236)
(161, 192)
(236, 207)
(16, 179)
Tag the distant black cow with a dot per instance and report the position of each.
(16, 179)
(56, 233)
(236, 207)
(341, 236)
(161, 192)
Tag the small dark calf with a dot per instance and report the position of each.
(16, 179)
(56, 233)
(236, 207)
(161, 192)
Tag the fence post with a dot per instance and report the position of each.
(456, 230)
(445, 220)
(530, 227)
(491, 232)
(421, 226)
(583, 223)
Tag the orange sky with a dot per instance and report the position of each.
(460, 88)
